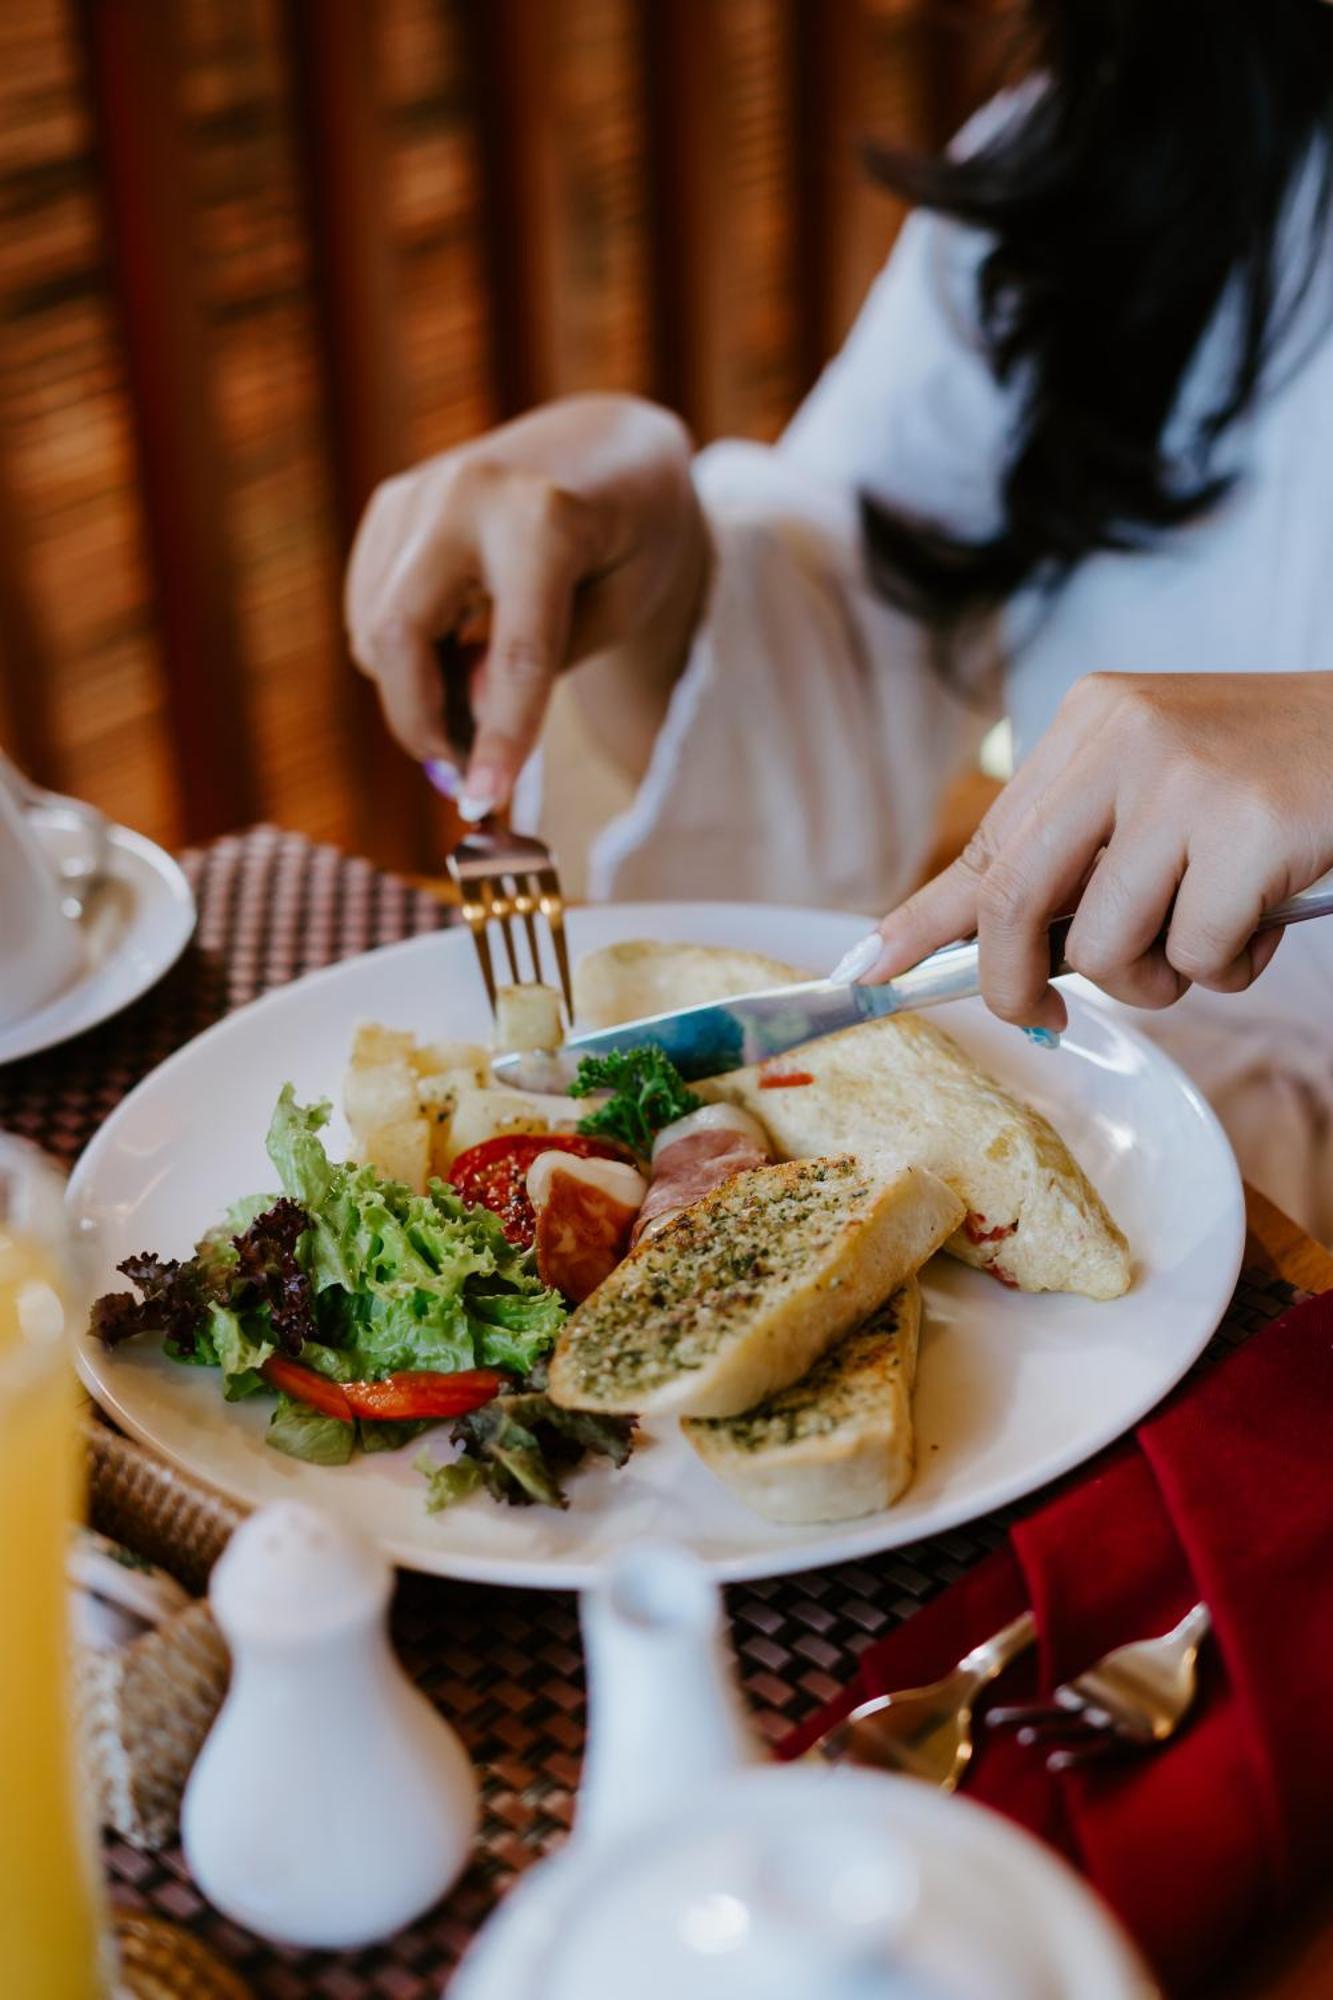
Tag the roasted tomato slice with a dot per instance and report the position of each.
(495, 1173)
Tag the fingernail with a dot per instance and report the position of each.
(443, 776)
(854, 964)
(1044, 1038)
(480, 795)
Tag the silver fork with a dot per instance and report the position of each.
(1137, 1694)
(502, 877)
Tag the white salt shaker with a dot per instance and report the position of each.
(331, 1804)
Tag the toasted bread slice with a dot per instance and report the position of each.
(901, 1089)
(623, 982)
(839, 1443)
(744, 1291)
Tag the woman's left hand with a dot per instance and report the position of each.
(1169, 811)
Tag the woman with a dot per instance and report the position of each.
(1073, 463)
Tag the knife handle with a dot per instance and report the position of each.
(1316, 901)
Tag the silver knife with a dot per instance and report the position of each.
(753, 1027)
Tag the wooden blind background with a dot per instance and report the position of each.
(254, 254)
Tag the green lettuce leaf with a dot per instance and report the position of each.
(578, 1431)
(418, 1329)
(294, 1146)
(510, 1457)
(334, 1362)
(514, 1330)
(375, 1435)
(304, 1433)
(241, 1351)
(509, 1261)
(372, 1232)
(424, 1281)
(522, 1443)
(446, 1484)
(201, 1353)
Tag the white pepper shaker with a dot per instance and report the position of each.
(331, 1804)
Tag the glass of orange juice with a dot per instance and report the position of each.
(51, 1944)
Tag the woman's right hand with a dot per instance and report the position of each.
(579, 524)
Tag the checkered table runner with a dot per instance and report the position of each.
(504, 1666)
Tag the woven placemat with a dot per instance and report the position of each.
(504, 1666)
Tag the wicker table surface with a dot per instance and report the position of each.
(505, 1666)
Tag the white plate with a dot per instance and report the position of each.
(135, 931)
(1012, 1390)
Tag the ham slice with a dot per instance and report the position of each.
(694, 1156)
(585, 1214)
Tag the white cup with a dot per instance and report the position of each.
(41, 950)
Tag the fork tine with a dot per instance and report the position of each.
(1102, 1745)
(1077, 1702)
(504, 876)
(1024, 1715)
(553, 909)
(1071, 1706)
(475, 913)
(525, 902)
(500, 905)
(1033, 1733)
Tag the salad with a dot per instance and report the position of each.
(369, 1314)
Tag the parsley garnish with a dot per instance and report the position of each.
(647, 1092)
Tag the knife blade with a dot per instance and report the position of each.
(724, 1035)
(730, 1034)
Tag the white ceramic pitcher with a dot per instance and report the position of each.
(698, 1867)
(41, 951)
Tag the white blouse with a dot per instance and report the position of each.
(810, 737)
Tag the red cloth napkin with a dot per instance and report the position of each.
(1225, 1494)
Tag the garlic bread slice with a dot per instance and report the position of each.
(838, 1444)
(744, 1291)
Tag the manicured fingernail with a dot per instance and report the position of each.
(480, 795)
(443, 776)
(1044, 1038)
(854, 964)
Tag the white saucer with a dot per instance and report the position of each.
(136, 928)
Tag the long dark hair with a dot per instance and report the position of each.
(1152, 168)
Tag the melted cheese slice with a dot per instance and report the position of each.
(615, 1178)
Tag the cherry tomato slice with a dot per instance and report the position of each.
(495, 1173)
